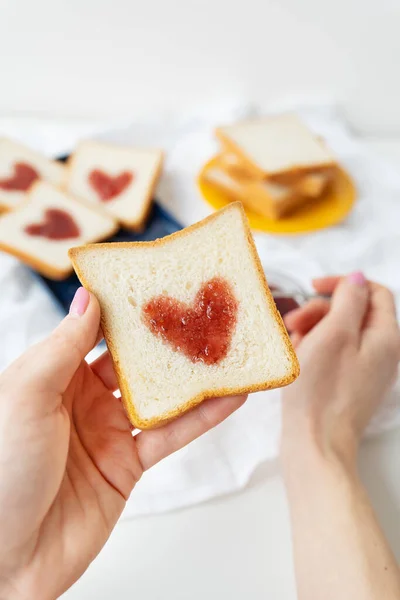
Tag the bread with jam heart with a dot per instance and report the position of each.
(187, 317)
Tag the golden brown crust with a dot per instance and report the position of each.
(127, 395)
(280, 177)
(138, 224)
(238, 170)
(43, 268)
(300, 190)
(5, 208)
(313, 185)
(236, 195)
(295, 177)
(253, 193)
(47, 269)
(259, 201)
(231, 147)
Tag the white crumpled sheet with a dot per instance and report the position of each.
(223, 460)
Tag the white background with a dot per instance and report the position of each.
(124, 58)
(96, 58)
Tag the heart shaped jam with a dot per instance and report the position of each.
(203, 331)
(109, 187)
(21, 180)
(57, 225)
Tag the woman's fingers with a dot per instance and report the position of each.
(104, 369)
(382, 309)
(350, 304)
(303, 319)
(296, 339)
(381, 325)
(326, 285)
(153, 446)
(50, 365)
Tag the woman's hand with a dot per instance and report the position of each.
(68, 458)
(349, 350)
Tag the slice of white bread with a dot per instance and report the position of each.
(306, 185)
(19, 168)
(314, 185)
(223, 180)
(120, 179)
(231, 342)
(274, 145)
(270, 200)
(49, 213)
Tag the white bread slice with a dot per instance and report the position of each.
(314, 185)
(158, 381)
(137, 171)
(50, 256)
(274, 145)
(270, 200)
(223, 180)
(12, 156)
(306, 185)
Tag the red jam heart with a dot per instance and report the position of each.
(57, 225)
(202, 332)
(108, 187)
(22, 179)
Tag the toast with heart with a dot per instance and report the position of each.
(187, 317)
(43, 228)
(120, 179)
(20, 167)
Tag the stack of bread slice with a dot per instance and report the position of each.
(273, 165)
(48, 207)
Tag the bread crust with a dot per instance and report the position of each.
(47, 269)
(251, 193)
(5, 208)
(127, 394)
(139, 224)
(295, 177)
(283, 176)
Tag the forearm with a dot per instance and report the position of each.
(9, 590)
(339, 549)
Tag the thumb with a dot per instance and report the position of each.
(350, 302)
(56, 359)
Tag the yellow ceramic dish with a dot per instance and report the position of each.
(330, 209)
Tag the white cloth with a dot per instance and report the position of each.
(224, 460)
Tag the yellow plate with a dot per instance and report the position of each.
(329, 210)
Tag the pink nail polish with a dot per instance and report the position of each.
(357, 278)
(80, 302)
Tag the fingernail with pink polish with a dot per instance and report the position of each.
(80, 302)
(357, 278)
